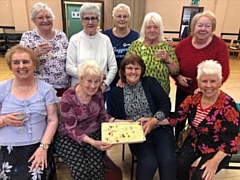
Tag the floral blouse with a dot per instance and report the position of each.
(219, 129)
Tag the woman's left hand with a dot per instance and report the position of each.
(147, 124)
(103, 146)
(39, 159)
(210, 169)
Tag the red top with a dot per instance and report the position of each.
(189, 57)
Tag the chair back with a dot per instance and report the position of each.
(12, 39)
(228, 42)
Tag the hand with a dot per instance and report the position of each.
(43, 48)
(103, 146)
(170, 41)
(147, 124)
(210, 169)
(39, 159)
(120, 84)
(197, 91)
(11, 120)
(163, 55)
(103, 88)
(184, 81)
(123, 120)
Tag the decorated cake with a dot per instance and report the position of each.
(122, 132)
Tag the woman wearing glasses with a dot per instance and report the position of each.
(90, 44)
(50, 46)
(121, 37)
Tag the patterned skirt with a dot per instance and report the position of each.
(85, 162)
(14, 163)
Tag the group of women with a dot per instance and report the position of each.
(28, 120)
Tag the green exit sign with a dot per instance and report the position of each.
(196, 2)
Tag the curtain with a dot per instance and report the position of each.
(138, 9)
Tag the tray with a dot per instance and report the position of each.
(122, 133)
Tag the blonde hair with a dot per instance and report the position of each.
(123, 7)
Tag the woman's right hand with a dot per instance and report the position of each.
(103, 146)
(120, 84)
(184, 81)
(43, 48)
(11, 120)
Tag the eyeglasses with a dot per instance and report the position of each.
(88, 19)
(41, 18)
(132, 68)
(122, 16)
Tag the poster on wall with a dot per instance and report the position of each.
(195, 2)
(75, 14)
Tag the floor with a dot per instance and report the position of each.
(231, 87)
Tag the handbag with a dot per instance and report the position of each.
(183, 135)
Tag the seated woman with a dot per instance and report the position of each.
(28, 118)
(82, 109)
(214, 119)
(143, 99)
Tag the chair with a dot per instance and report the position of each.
(176, 41)
(233, 49)
(12, 39)
(228, 42)
(3, 48)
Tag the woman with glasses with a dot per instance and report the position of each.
(50, 46)
(121, 37)
(90, 44)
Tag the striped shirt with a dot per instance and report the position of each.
(200, 115)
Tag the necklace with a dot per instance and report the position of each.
(25, 90)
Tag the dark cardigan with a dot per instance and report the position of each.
(157, 98)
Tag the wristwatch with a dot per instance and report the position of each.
(44, 146)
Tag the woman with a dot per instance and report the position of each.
(121, 37)
(82, 109)
(28, 118)
(89, 44)
(214, 119)
(158, 56)
(50, 46)
(202, 44)
(143, 99)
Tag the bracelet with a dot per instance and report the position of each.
(3, 120)
(169, 62)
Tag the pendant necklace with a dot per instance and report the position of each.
(25, 90)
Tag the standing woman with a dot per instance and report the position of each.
(201, 45)
(50, 46)
(121, 37)
(90, 44)
(158, 56)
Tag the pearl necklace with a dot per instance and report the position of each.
(25, 90)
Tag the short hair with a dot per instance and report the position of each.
(88, 8)
(157, 19)
(39, 6)
(207, 14)
(209, 67)
(131, 59)
(120, 7)
(89, 68)
(21, 49)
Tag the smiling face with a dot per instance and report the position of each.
(90, 84)
(43, 20)
(203, 29)
(133, 73)
(121, 19)
(22, 66)
(90, 23)
(209, 85)
(152, 31)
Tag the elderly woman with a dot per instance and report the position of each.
(214, 119)
(143, 99)
(89, 44)
(28, 118)
(82, 109)
(50, 46)
(158, 56)
(121, 37)
(202, 45)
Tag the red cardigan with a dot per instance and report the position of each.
(189, 57)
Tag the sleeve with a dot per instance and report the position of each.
(51, 97)
(177, 52)
(68, 118)
(71, 63)
(132, 49)
(112, 63)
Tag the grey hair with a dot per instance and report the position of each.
(39, 6)
(88, 8)
(123, 7)
(209, 67)
(89, 68)
(157, 19)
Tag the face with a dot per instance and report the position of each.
(43, 20)
(209, 85)
(133, 73)
(121, 19)
(90, 84)
(152, 31)
(203, 29)
(22, 66)
(90, 23)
